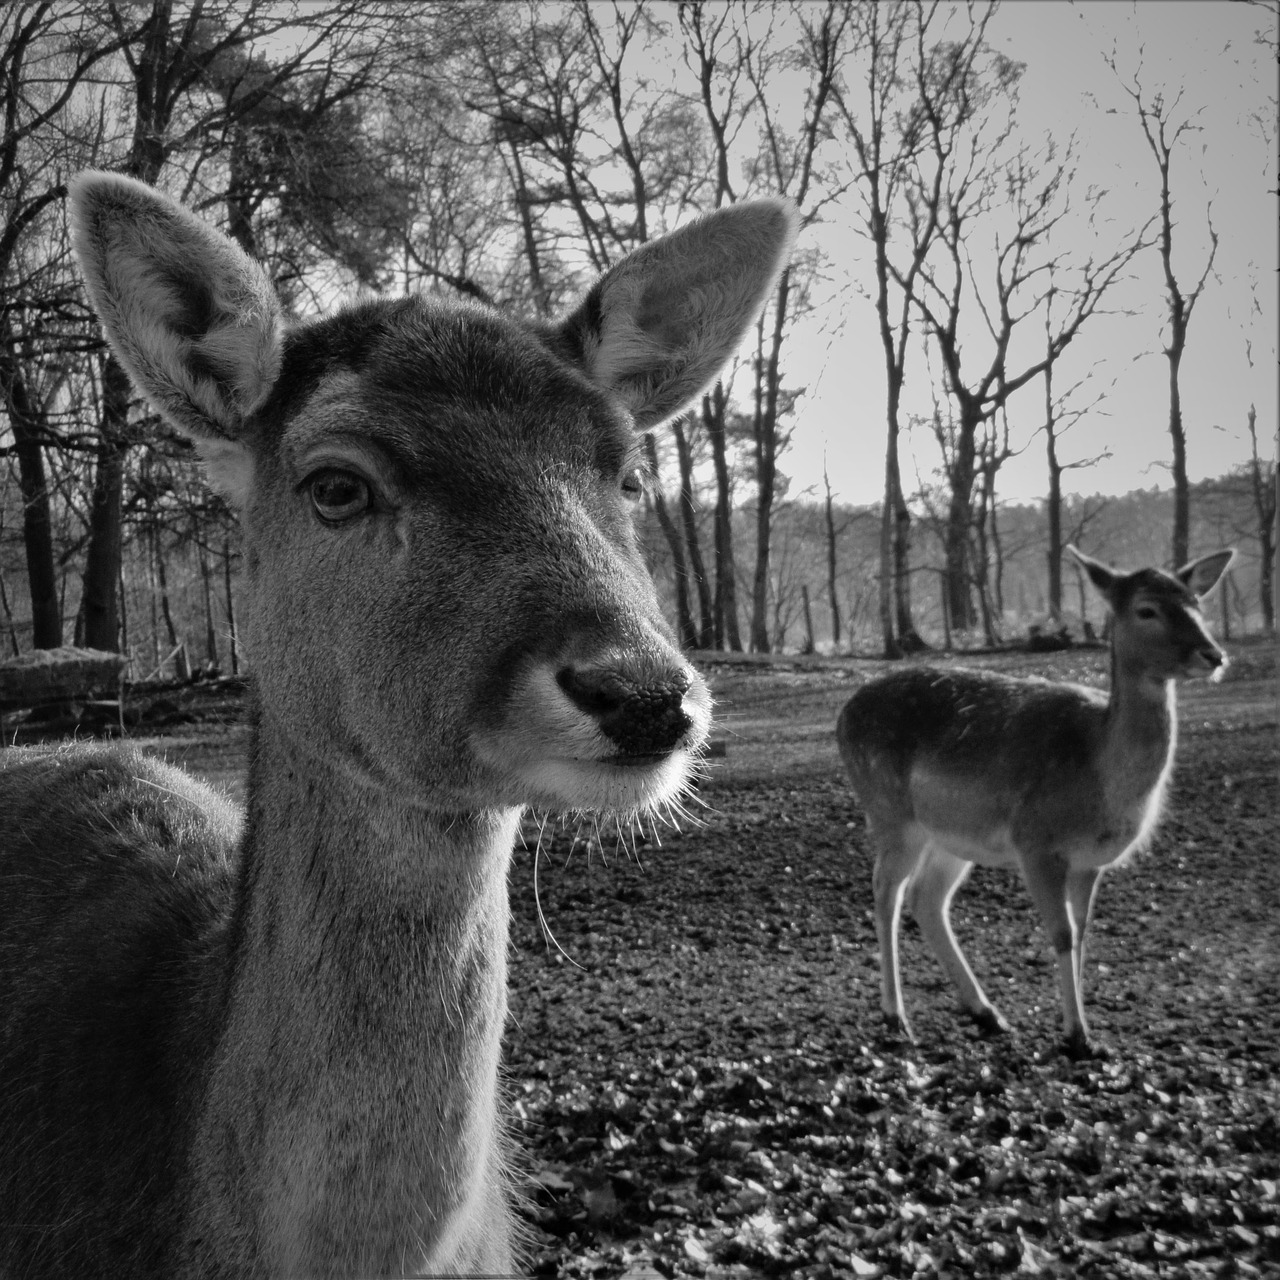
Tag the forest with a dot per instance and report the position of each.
(508, 153)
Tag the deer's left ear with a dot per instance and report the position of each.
(656, 329)
(1102, 577)
(193, 319)
(1202, 575)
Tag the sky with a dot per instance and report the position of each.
(1207, 49)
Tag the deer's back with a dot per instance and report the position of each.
(115, 888)
(972, 719)
(975, 752)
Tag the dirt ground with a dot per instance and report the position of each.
(697, 1072)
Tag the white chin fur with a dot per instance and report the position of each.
(598, 785)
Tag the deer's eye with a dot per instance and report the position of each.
(632, 485)
(1147, 612)
(339, 495)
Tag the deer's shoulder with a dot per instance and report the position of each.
(111, 862)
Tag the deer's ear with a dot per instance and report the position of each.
(193, 319)
(656, 329)
(1202, 575)
(1102, 577)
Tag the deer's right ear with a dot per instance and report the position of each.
(1102, 577)
(1202, 575)
(191, 317)
(656, 329)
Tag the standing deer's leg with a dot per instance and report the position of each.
(896, 859)
(940, 874)
(1047, 877)
(1081, 886)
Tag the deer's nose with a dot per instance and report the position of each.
(1211, 656)
(643, 718)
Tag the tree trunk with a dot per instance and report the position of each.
(181, 663)
(998, 556)
(980, 561)
(808, 646)
(210, 632)
(162, 587)
(37, 523)
(1266, 588)
(768, 385)
(239, 189)
(961, 473)
(1054, 512)
(102, 561)
(888, 638)
(684, 619)
(1266, 491)
(727, 635)
(231, 610)
(760, 576)
(697, 570)
(898, 631)
(831, 565)
(955, 544)
(154, 100)
(153, 597)
(1181, 491)
(124, 612)
(8, 620)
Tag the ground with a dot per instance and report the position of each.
(697, 1071)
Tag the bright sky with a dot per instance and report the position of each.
(1207, 48)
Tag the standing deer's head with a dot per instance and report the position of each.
(1158, 629)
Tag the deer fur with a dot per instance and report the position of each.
(267, 1044)
(957, 767)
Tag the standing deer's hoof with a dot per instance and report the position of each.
(989, 1022)
(896, 1027)
(1079, 1048)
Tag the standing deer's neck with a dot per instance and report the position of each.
(1141, 728)
(349, 1124)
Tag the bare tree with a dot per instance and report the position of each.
(653, 491)
(832, 575)
(1034, 194)
(787, 164)
(170, 60)
(886, 130)
(682, 431)
(1163, 129)
(715, 424)
(1061, 411)
(1263, 482)
(710, 54)
(47, 53)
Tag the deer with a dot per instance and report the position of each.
(959, 767)
(267, 1043)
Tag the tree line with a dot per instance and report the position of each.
(822, 590)
(506, 153)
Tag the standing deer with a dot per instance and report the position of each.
(269, 1045)
(959, 767)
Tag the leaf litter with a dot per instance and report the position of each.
(703, 1088)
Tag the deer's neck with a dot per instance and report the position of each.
(1141, 730)
(349, 1126)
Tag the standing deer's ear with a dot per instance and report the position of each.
(192, 318)
(656, 329)
(1202, 575)
(1100, 575)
